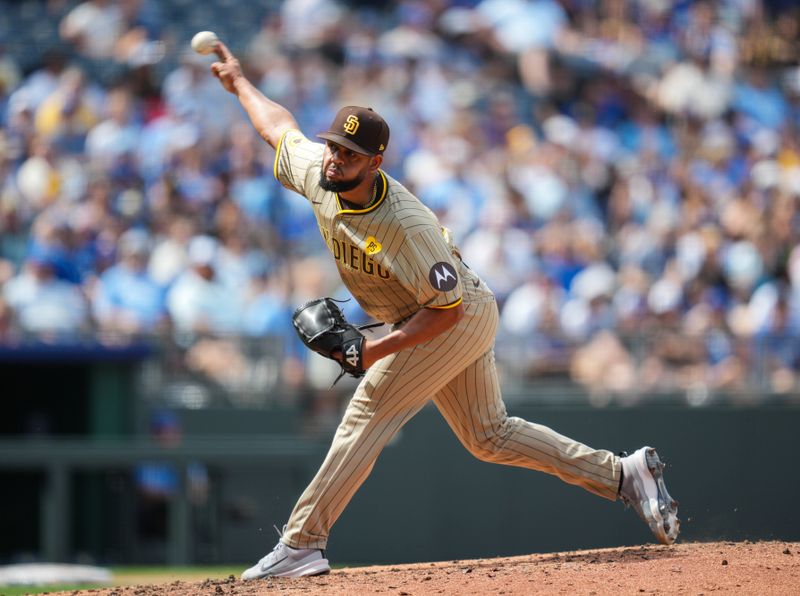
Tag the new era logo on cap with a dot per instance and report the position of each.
(360, 129)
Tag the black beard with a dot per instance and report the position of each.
(342, 185)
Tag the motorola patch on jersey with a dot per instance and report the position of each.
(443, 277)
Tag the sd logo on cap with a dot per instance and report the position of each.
(359, 129)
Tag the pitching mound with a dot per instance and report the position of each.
(760, 568)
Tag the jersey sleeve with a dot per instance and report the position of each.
(429, 270)
(297, 162)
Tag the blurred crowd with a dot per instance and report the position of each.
(625, 174)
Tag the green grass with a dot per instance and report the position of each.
(21, 590)
(127, 576)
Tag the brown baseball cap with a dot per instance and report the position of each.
(359, 129)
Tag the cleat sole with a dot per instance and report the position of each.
(665, 524)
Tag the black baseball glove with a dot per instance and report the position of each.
(322, 327)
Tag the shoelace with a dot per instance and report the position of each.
(277, 547)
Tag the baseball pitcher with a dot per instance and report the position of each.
(404, 270)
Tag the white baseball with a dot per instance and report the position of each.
(203, 42)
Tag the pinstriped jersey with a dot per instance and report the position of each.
(394, 256)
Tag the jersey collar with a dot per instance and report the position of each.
(383, 187)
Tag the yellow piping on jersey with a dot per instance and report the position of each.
(371, 207)
(446, 306)
(278, 153)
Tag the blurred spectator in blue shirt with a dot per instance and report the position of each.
(116, 136)
(44, 304)
(757, 97)
(198, 301)
(128, 300)
(94, 27)
(52, 235)
(252, 184)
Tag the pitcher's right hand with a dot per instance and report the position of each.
(227, 69)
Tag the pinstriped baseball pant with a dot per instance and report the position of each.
(457, 370)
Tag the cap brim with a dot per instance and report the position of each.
(342, 140)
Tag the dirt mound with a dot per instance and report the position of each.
(760, 568)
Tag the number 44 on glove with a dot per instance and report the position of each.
(323, 328)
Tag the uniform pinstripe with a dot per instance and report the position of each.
(387, 256)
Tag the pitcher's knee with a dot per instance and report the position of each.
(484, 451)
(491, 447)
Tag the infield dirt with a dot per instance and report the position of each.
(758, 568)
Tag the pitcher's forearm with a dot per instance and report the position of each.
(269, 118)
(423, 326)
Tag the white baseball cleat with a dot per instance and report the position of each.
(285, 561)
(643, 489)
